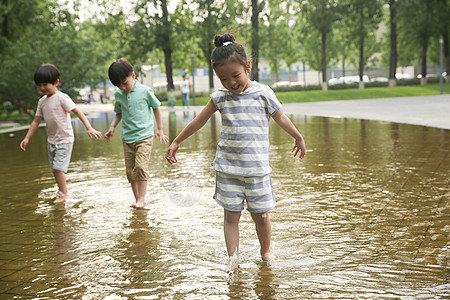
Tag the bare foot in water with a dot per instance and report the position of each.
(233, 263)
(270, 258)
(138, 204)
(232, 266)
(60, 197)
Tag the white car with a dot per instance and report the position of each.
(403, 76)
(280, 84)
(347, 79)
(380, 79)
(334, 81)
(296, 83)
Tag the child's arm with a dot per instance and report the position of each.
(33, 127)
(159, 133)
(91, 131)
(110, 132)
(286, 124)
(189, 130)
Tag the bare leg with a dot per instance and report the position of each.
(60, 178)
(134, 187)
(139, 190)
(264, 232)
(231, 231)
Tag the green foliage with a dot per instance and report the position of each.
(83, 45)
(362, 20)
(417, 25)
(322, 14)
(48, 33)
(367, 93)
(213, 18)
(274, 28)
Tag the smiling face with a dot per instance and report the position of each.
(48, 89)
(234, 77)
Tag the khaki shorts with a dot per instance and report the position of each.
(137, 159)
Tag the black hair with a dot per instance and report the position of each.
(119, 71)
(46, 73)
(227, 51)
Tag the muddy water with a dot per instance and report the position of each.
(365, 215)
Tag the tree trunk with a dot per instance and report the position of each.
(208, 50)
(343, 64)
(304, 74)
(445, 37)
(446, 52)
(324, 62)
(167, 46)
(4, 24)
(423, 80)
(276, 75)
(5, 20)
(361, 62)
(208, 45)
(393, 40)
(290, 73)
(168, 64)
(255, 40)
(211, 76)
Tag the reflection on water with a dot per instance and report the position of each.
(365, 215)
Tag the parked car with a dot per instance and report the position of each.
(347, 79)
(334, 81)
(296, 83)
(287, 83)
(428, 76)
(280, 84)
(403, 76)
(380, 79)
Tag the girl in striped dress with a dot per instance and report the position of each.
(242, 157)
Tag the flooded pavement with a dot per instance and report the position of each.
(366, 214)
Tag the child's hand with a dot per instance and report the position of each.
(109, 134)
(299, 146)
(162, 137)
(94, 133)
(170, 154)
(23, 144)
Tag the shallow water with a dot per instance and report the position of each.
(365, 215)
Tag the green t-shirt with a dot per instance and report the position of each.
(171, 96)
(136, 109)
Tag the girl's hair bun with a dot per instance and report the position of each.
(220, 39)
(228, 51)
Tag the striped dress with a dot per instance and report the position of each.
(243, 148)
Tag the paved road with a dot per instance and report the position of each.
(433, 111)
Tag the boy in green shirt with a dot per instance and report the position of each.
(171, 96)
(134, 105)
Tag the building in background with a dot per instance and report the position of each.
(299, 75)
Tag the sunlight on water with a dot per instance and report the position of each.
(364, 215)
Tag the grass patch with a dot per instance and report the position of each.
(17, 117)
(349, 94)
(367, 93)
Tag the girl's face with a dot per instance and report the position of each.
(48, 89)
(234, 77)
